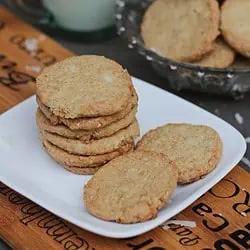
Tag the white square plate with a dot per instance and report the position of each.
(25, 167)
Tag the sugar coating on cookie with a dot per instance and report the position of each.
(131, 188)
(84, 86)
(235, 27)
(221, 57)
(95, 147)
(181, 30)
(195, 149)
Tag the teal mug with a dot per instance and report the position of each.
(86, 19)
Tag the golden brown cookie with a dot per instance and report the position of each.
(88, 123)
(84, 86)
(84, 135)
(49, 115)
(221, 57)
(181, 30)
(95, 147)
(131, 188)
(65, 158)
(235, 27)
(194, 149)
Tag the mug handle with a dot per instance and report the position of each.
(34, 14)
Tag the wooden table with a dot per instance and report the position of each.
(222, 214)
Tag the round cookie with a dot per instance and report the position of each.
(65, 158)
(235, 27)
(88, 123)
(95, 147)
(131, 188)
(84, 86)
(84, 135)
(221, 57)
(181, 30)
(194, 149)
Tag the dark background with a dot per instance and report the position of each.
(137, 66)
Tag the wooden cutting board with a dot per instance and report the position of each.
(222, 214)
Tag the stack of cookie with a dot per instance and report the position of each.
(199, 32)
(86, 112)
(182, 30)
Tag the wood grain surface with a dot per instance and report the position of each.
(221, 215)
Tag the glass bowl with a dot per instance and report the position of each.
(232, 82)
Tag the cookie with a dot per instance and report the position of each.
(49, 115)
(95, 147)
(81, 171)
(84, 135)
(88, 123)
(235, 25)
(194, 149)
(65, 158)
(131, 188)
(84, 86)
(221, 57)
(181, 30)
